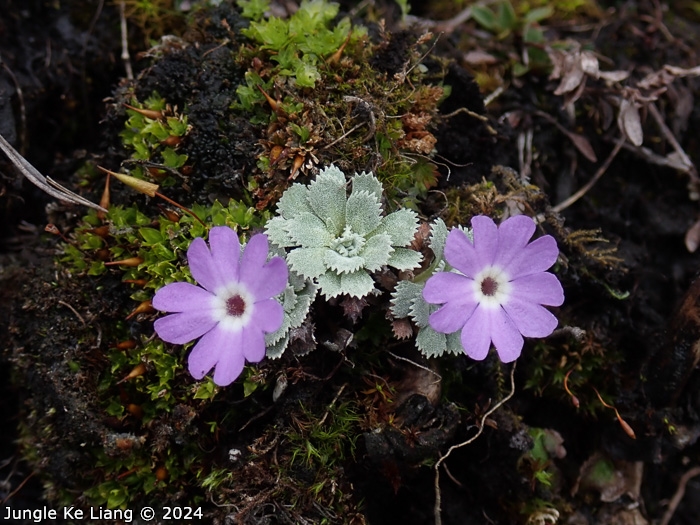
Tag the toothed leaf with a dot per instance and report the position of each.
(369, 183)
(401, 226)
(329, 283)
(277, 234)
(293, 201)
(405, 293)
(377, 252)
(430, 342)
(362, 212)
(342, 264)
(438, 238)
(307, 261)
(454, 343)
(357, 284)
(405, 259)
(327, 197)
(420, 311)
(308, 230)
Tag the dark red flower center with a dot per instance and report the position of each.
(235, 306)
(489, 287)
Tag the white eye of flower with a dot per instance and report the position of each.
(233, 306)
(491, 287)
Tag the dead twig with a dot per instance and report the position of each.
(678, 496)
(74, 311)
(598, 174)
(45, 183)
(438, 498)
(125, 42)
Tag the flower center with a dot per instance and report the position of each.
(489, 286)
(235, 306)
(348, 244)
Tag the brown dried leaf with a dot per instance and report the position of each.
(479, 58)
(402, 328)
(582, 144)
(629, 122)
(692, 237)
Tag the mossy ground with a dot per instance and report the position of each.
(109, 415)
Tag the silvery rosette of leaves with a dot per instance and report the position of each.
(337, 240)
(407, 301)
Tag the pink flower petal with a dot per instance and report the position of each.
(225, 253)
(532, 320)
(206, 352)
(231, 357)
(443, 287)
(268, 280)
(460, 253)
(485, 239)
(536, 257)
(476, 334)
(505, 335)
(253, 342)
(184, 327)
(202, 265)
(513, 235)
(452, 316)
(268, 315)
(540, 288)
(254, 257)
(181, 297)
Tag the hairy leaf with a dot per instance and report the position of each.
(377, 252)
(362, 212)
(307, 261)
(405, 259)
(401, 226)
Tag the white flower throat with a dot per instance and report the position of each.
(233, 306)
(492, 287)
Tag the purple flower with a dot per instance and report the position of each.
(498, 296)
(232, 309)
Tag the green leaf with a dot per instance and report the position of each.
(507, 19)
(485, 17)
(306, 72)
(172, 159)
(401, 226)
(151, 236)
(405, 259)
(307, 261)
(362, 212)
(272, 33)
(253, 9)
(538, 14)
